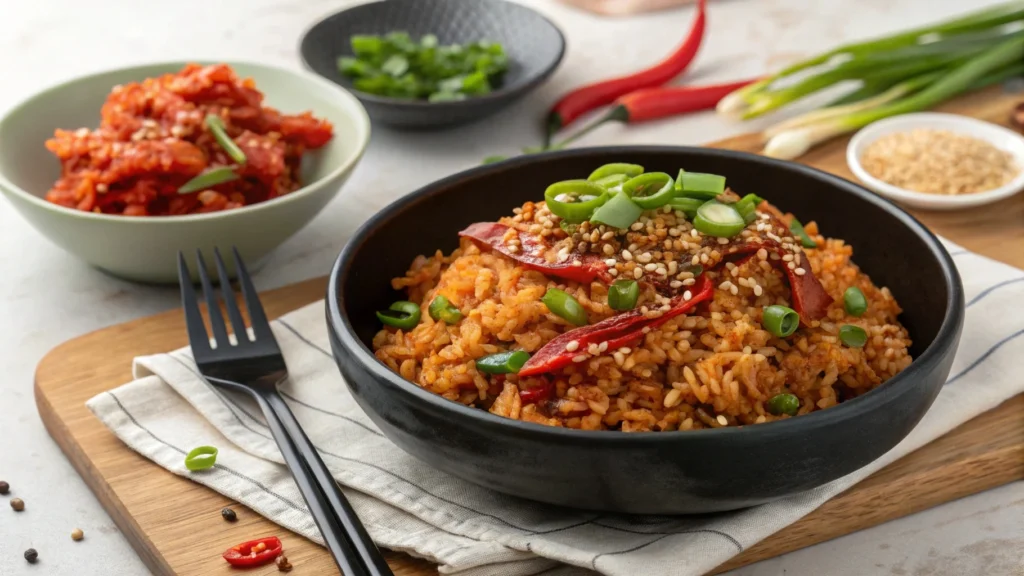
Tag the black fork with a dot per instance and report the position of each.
(256, 366)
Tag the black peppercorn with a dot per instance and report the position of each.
(4, 487)
(229, 515)
(31, 555)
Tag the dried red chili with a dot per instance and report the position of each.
(615, 331)
(810, 300)
(530, 253)
(254, 552)
(586, 98)
(537, 393)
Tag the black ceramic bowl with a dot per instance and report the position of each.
(533, 44)
(657, 472)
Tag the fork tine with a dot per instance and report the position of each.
(220, 332)
(257, 317)
(197, 336)
(237, 323)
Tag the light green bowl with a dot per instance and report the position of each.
(145, 248)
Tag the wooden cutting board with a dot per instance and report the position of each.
(175, 525)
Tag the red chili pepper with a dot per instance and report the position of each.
(530, 253)
(536, 394)
(254, 552)
(655, 103)
(586, 98)
(616, 331)
(810, 300)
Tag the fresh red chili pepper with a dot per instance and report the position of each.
(536, 394)
(654, 103)
(616, 331)
(254, 552)
(530, 253)
(586, 98)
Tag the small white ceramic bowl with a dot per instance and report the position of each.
(998, 136)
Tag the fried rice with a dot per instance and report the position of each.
(711, 367)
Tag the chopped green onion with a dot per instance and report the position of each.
(565, 306)
(780, 320)
(650, 190)
(220, 134)
(798, 230)
(441, 309)
(747, 207)
(854, 301)
(623, 294)
(688, 206)
(611, 181)
(630, 170)
(209, 179)
(784, 403)
(853, 336)
(575, 200)
(618, 212)
(697, 185)
(503, 362)
(402, 314)
(201, 458)
(717, 219)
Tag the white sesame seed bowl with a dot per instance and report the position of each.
(997, 136)
(144, 248)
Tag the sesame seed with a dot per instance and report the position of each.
(577, 263)
(762, 254)
(651, 267)
(724, 285)
(619, 358)
(572, 346)
(603, 346)
(675, 284)
(608, 250)
(627, 255)
(646, 330)
(101, 187)
(800, 271)
(513, 249)
(689, 281)
(644, 258)
(694, 233)
(696, 260)
(673, 267)
(638, 273)
(580, 358)
(791, 266)
(721, 420)
(593, 349)
(787, 258)
(734, 290)
(608, 235)
(611, 261)
(613, 272)
(637, 226)
(687, 296)
(758, 290)
(625, 350)
(723, 241)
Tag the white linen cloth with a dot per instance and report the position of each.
(409, 506)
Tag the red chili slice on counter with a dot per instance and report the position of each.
(254, 552)
(530, 253)
(616, 331)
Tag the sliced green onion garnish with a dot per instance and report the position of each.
(619, 212)
(402, 314)
(650, 190)
(441, 309)
(629, 170)
(747, 207)
(854, 301)
(565, 306)
(688, 206)
(717, 219)
(575, 200)
(201, 458)
(780, 321)
(798, 230)
(853, 336)
(611, 181)
(623, 294)
(209, 179)
(697, 185)
(220, 134)
(784, 403)
(503, 362)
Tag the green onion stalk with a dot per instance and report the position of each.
(1001, 60)
(739, 102)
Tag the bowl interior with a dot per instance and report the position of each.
(532, 43)
(888, 244)
(27, 164)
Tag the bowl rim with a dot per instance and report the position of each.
(341, 329)
(495, 95)
(973, 127)
(361, 118)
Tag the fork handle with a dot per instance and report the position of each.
(340, 518)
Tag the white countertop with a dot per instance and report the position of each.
(47, 296)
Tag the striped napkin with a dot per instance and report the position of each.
(409, 506)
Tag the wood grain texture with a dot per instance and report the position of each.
(176, 527)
